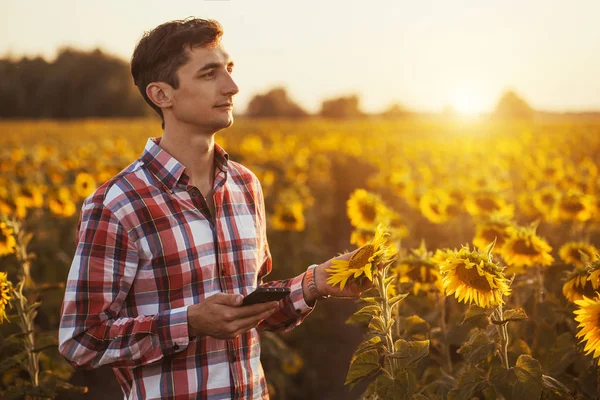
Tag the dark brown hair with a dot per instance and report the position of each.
(161, 51)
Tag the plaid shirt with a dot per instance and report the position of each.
(147, 248)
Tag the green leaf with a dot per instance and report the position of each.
(562, 354)
(476, 316)
(398, 388)
(373, 343)
(555, 387)
(359, 319)
(369, 310)
(394, 300)
(410, 352)
(517, 314)
(523, 381)
(389, 279)
(375, 299)
(362, 366)
(470, 383)
(415, 325)
(377, 324)
(478, 348)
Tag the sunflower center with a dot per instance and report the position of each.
(361, 257)
(472, 278)
(548, 199)
(368, 211)
(3, 237)
(522, 247)
(487, 204)
(289, 218)
(576, 255)
(494, 233)
(572, 206)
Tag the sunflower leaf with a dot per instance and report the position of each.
(372, 299)
(408, 353)
(361, 320)
(374, 343)
(476, 316)
(555, 387)
(399, 387)
(470, 383)
(517, 314)
(363, 365)
(369, 310)
(523, 381)
(414, 325)
(397, 298)
(377, 324)
(478, 348)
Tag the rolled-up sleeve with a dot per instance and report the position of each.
(91, 333)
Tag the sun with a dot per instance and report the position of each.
(468, 102)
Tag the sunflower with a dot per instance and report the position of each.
(289, 217)
(365, 209)
(437, 206)
(420, 269)
(5, 297)
(526, 248)
(61, 204)
(576, 206)
(32, 196)
(545, 201)
(495, 228)
(7, 240)
(578, 284)
(363, 262)
(85, 184)
(588, 315)
(485, 202)
(472, 276)
(571, 253)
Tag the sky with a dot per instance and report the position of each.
(424, 54)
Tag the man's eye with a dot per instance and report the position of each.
(210, 74)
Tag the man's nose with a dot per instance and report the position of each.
(231, 88)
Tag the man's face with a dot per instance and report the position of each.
(206, 89)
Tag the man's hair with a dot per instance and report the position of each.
(161, 51)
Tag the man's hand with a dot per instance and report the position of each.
(223, 317)
(352, 289)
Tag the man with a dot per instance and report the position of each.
(168, 247)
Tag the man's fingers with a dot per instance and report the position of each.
(248, 323)
(254, 309)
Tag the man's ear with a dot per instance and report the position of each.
(160, 93)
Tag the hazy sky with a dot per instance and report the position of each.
(425, 54)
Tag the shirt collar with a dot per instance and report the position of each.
(167, 169)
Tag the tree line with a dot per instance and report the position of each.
(79, 84)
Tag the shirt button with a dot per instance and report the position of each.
(233, 358)
(223, 272)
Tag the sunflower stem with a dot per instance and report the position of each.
(503, 330)
(445, 344)
(24, 310)
(386, 317)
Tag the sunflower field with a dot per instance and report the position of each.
(487, 237)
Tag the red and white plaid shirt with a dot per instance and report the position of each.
(147, 249)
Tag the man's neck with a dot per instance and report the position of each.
(195, 151)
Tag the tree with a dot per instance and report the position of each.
(512, 105)
(342, 107)
(396, 110)
(77, 84)
(275, 103)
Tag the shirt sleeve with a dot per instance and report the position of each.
(91, 333)
(293, 308)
